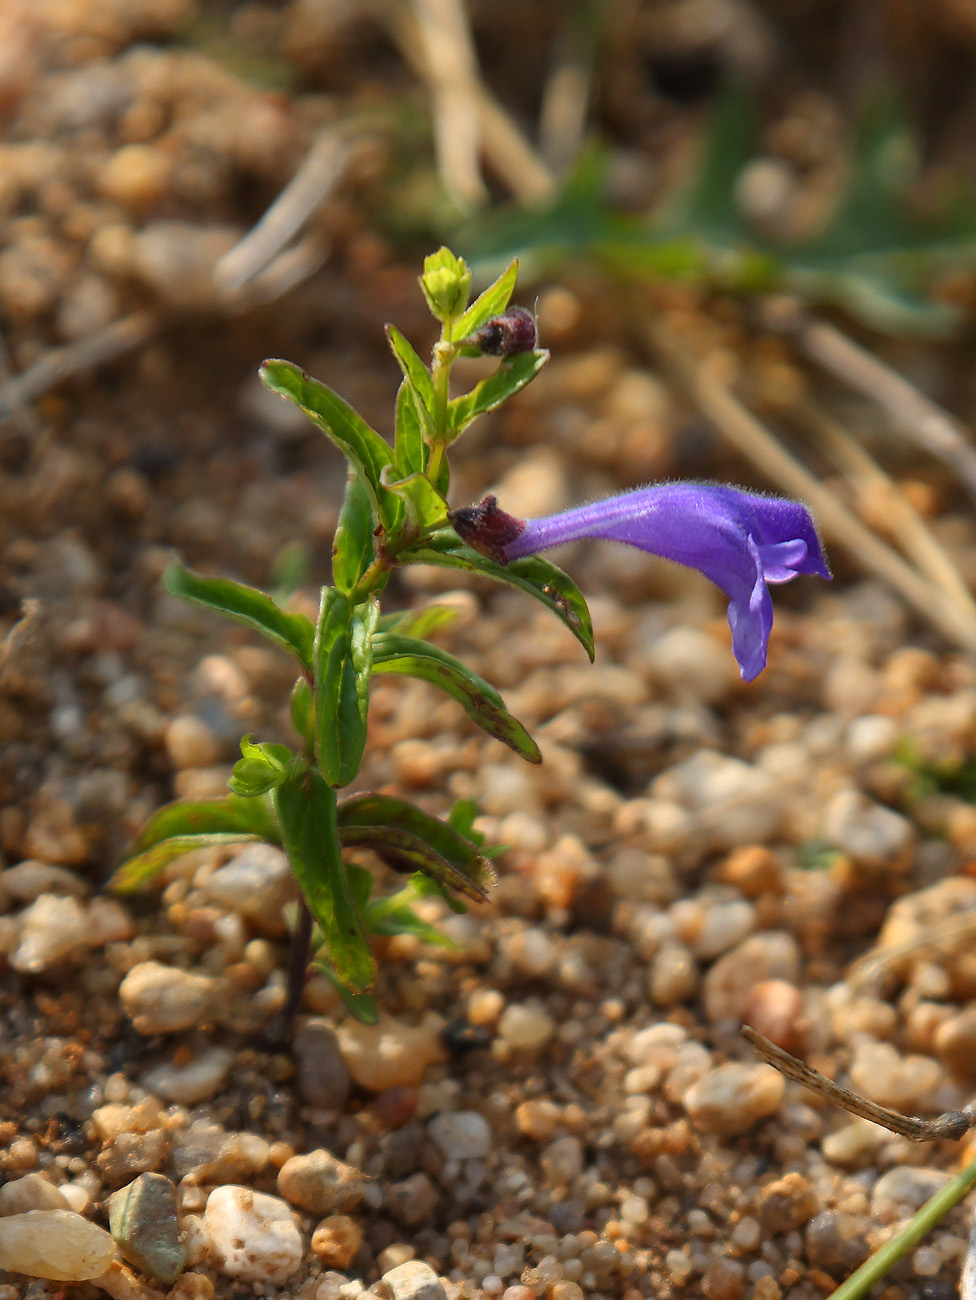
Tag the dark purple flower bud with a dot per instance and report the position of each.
(504, 336)
(740, 540)
(487, 528)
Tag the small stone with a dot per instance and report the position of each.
(673, 976)
(49, 930)
(255, 1236)
(413, 1200)
(736, 802)
(145, 1223)
(835, 1243)
(906, 1189)
(887, 1077)
(774, 1008)
(753, 870)
(537, 1118)
(136, 176)
(532, 951)
(870, 834)
(336, 1240)
(192, 1286)
(28, 880)
(786, 1204)
(257, 882)
(955, 1043)
(723, 926)
(162, 999)
(562, 1160)
(733, 1097)
(391, 1053)
(728, 985)
(56, 1244)
(320, 1183)
(321, 1075)
(691, 663)
(413, 1280)
(32, 1192)
(128, 1154)
(723, 1279)
(198, 1080)
(526, 1026)
(461, 1134)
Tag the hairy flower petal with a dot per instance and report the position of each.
(740, 540)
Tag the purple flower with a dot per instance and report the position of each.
(740, 540)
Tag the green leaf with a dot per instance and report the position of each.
(138, 870)
(394, 653)
(408, 853)
(362, 446)
(353, 549)
(467, 871)
(513, 373)
(403, 919)
(445, 283)
(416, 375)
(419, 622)
(208, 817)
(423, 506)
(491, 303)
(410, 449)
(247, 605)
(343, 651)
(301, 709)
(260, 767)
(532, 574)
(307, 813)
(361, 1006)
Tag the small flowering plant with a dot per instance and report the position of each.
(395, 512)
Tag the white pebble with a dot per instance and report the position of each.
(733, 1097)
(161, 999)
(413, 1280)
(526, 1026)
(461, 1134)
(254, 1236)
(196, 1081)
(49, 929)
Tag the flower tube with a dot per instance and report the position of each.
(741, 541)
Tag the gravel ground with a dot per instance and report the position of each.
(562, 1105)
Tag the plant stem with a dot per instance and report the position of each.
(301, 943)
(883, 1260)
(441, 377)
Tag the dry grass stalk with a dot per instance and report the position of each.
(953, 1124)
(58, 364)
(323, 168)
(865, 475)
(917, 416)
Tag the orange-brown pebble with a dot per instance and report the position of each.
(774, 1009)
(192, 1286)
(336, 1240)
(753, 870)
(724, 1279)
(394, 1106)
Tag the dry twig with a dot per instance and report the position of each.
(917, 416)
(953, 1124)
(321, 171)
(449, 66)
(951, 934)
(505, 148)
(866, 475)
(78, 358)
